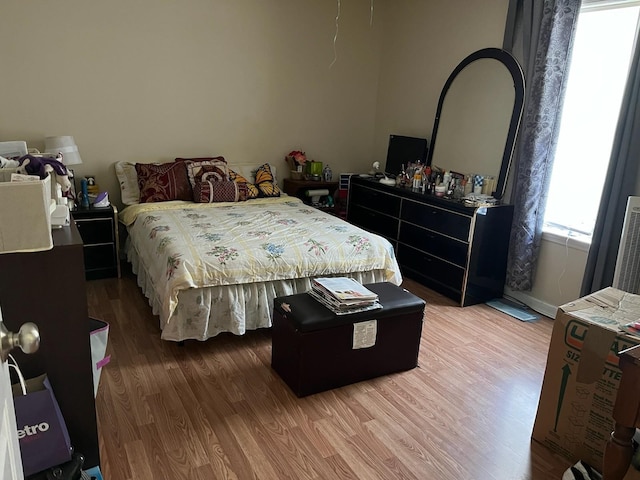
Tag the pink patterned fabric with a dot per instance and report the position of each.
(163, 182)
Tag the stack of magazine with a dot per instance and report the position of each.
(344, 295)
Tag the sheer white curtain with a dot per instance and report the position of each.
(620, 183)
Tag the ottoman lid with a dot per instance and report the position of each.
(307, 314)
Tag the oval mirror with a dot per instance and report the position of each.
(478, 116)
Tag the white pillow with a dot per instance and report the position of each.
(128, 178)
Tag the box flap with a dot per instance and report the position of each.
(609, 308)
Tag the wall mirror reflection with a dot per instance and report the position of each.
(478, 116)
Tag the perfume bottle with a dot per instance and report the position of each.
(327, 174)
(404, 178)
(417, 177)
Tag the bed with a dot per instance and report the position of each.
(213, 267)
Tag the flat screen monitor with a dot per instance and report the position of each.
(403, 150)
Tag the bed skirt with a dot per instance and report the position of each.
(203, 313)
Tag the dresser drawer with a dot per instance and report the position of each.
(373, 221)
(95, 230)
(437, 219)
(375, 200)
(455, 251)
(427, 265)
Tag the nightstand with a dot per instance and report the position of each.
(298, 188)
(98, 227)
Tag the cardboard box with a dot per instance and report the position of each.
(25, 215)
(582, 375)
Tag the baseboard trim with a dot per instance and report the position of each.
(533, 303)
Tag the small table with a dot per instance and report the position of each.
(98, 228)
(298, 188)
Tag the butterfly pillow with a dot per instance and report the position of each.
(266, 183)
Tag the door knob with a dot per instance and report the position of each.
(27, 338)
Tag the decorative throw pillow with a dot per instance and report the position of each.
(219, 191)
(251, 189)
(200, 159)
(163, 182)
(128, 179)
(266, 182)
(215, 170)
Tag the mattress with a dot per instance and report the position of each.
(213, 268)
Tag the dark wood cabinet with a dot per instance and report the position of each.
(48, 288)
(98, 227)
(457, 250)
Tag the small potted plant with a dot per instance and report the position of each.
(296, 160)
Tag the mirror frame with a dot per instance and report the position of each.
(516, 115)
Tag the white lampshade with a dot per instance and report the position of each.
(65, 145)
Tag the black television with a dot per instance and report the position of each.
(403, 150)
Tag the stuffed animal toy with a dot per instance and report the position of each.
(8, 163)
(43, 166)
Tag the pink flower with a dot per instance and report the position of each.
(299, 157)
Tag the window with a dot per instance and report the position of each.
(602, 51)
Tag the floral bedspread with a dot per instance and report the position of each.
(187, 245)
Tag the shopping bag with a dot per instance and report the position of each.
(42, 432)
(98, 337)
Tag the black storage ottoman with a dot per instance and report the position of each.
(313, 348)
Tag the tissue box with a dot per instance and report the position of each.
(25, 215)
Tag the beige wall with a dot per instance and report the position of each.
(150, 80)
(558, 276)
(422, 43)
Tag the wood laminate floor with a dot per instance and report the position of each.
(216, 409)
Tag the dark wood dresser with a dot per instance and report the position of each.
(48, 288)
(457, 250)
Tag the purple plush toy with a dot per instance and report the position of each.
(43, 166)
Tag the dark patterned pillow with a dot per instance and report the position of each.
(219, 191)
(163, 182)
(266, 183)
(251, 189)
(215, 170)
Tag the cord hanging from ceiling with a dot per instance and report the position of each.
(335, 37)
(371, 17)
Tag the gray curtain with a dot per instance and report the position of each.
(540, 35)
(619, 184)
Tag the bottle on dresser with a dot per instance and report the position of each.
(417, 176)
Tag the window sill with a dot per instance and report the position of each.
(567, 238)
